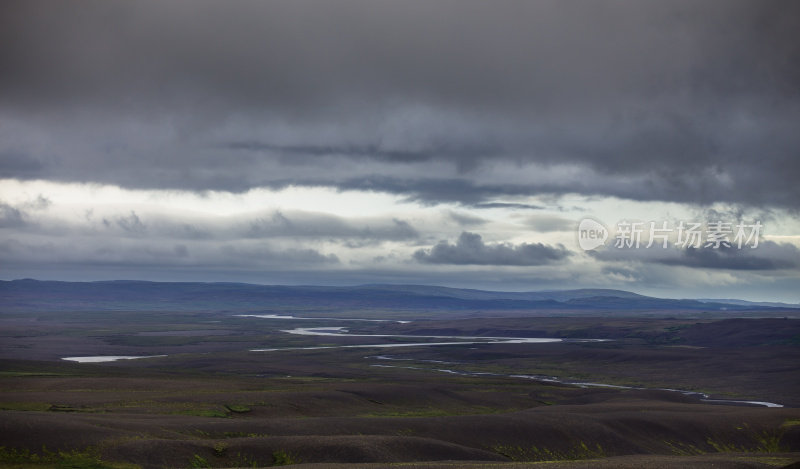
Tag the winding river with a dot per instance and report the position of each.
(442, 340)
(451, 339)
(461, 340)
(703, 397)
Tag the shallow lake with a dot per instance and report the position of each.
(107, 358)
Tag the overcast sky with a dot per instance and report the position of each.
(455, 143)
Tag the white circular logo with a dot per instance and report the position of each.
(591, 234)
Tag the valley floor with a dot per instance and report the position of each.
(227, 406)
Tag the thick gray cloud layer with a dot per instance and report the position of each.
(678, 100)
(470, 249)
(463, 108)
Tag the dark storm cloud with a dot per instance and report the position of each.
(18, 216)
(769, 255)
(678, 100)
(317, 225)
(296, 225)
(130, 223)
(98, 254)
(465, 219)
(446, 150)
(10, 217)
(433, 190)
(19, 165)
(470, 249)
(507, 205)
(550, 223)
(298, 54)
(286, 257)
(428, 190)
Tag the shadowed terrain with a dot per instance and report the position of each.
(663, 389)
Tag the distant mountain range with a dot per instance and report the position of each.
(123, 295)
(775, 304)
